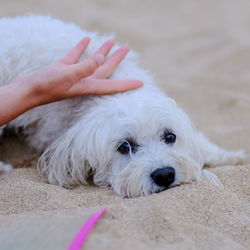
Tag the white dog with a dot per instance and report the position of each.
(138, 142)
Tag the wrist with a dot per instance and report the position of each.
(22, 92)
(14, 101)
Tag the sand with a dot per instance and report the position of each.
(200, 54)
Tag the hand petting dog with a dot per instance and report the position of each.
(67, 78)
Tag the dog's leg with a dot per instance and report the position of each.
(216, 156)
(4, 167)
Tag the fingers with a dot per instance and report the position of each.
(74, 55)
(87, 67)
(97, 84)
(106, 47)
(111, 64)
(98, 57)
(104, 86)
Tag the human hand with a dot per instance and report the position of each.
(69, 78)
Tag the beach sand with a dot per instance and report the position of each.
(199, 52)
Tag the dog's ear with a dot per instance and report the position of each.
(63, 163)
(215, 156)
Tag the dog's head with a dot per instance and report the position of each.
(138, 142)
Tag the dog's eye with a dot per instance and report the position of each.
(127, 146)
(169, 138)
(124, 148)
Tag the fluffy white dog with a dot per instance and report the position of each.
(138, 142)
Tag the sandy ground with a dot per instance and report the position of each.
(200, 53)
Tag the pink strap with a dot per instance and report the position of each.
(82, 234)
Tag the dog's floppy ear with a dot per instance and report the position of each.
(215, 156)
(63, 162)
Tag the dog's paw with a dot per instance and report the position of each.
(223, 157)
(5, 167)
(236, 157)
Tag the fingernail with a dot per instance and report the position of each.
(99, 58)
(126, 48)
(139, 83)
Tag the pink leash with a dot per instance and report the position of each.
(82, 234)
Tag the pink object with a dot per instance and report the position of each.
(82, 234)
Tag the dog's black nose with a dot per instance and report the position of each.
(163, 176)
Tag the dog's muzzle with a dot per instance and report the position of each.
(163, 176)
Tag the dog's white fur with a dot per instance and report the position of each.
(79, 137)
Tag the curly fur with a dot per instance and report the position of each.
(78, 138)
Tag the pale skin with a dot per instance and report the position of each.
(67, 78)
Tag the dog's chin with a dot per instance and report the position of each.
(130, 188)
(157, 189)
(126, 192)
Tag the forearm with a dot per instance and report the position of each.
(15, 99)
